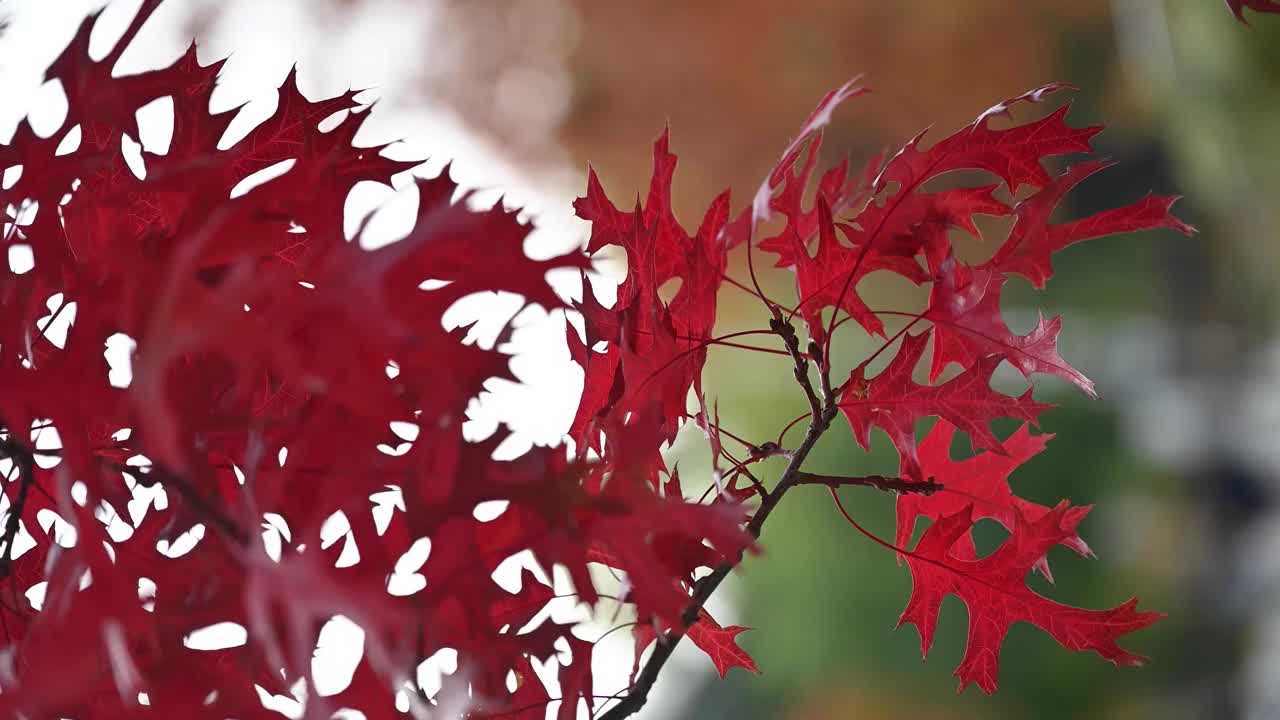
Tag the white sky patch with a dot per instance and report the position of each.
(339, 650)
(218, 636)
(22, 259)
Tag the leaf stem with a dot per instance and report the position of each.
(740, 286)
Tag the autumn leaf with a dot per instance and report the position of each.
(964, 307)
(893, 401)
(720, 644)
(982, 483)
(994, 590)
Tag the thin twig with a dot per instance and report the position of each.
(720, 430)
(800, 364)
(741, 467)
(879, 482)
(740, 286)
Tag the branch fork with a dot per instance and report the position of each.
(822, 411)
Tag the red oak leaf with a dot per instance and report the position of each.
(1014, 155)
(964, 307)
(982, 482)
(793, 184)
(894, 402)
(921, 221)
(643, 635)
(1032, 240)
(662, 347)
(821, 279)
(600, 388)
(836, 188)
(720, 644)
(996, 594)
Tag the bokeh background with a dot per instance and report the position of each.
(1180, 453)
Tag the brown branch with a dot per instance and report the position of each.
(821, 416)
(800, 363)
(879, 482)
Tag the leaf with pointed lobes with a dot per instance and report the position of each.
(837, 187)
(831, 276)
(643, 634)
(599, 322)
(1033, 240)
(659, 250)
(650, 564)
(720, 644)
(841, 190)
(893, 401)
(920, 222)
(576, 680)
(656, 351)
(810, 132)
(478, 251)
(964, 307)
(104, 105)
(995, 591)
(1013, 154)
(1263, 6)
(981, 481)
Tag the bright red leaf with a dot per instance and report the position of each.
(994, 589)
(964, 307)
(980, 482)
(721, 644)
(1032, 240)
(893, 401)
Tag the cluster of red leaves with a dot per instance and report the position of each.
(260, 329)
(887, 222)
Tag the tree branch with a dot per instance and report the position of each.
(821, 416)
(879, 482)
(800, 364)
